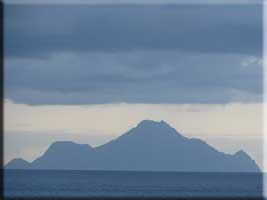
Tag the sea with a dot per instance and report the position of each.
(68, 183)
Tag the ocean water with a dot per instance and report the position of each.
(54, 183)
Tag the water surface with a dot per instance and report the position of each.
(48, 183)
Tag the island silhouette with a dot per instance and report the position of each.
(150, 146)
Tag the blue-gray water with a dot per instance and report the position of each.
(46, 183)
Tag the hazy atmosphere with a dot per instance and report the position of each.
(90, 73)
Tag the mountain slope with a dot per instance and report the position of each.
(18, 164)
(151, 146)
(64, 155)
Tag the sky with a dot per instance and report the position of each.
(88, 73)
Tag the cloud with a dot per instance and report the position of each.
(42, 30)
(91, 54)
(133, 77)
(252, 61)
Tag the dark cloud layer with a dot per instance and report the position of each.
(135, 77)
(41, 30)
(135, 54)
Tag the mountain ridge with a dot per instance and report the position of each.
(150, 146)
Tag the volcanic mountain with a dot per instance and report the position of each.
(150, 146)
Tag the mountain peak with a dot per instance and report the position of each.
(155, 128)
(20, 160)
(151, 124)
(242, 154)
(68, 144)
(60, 147)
